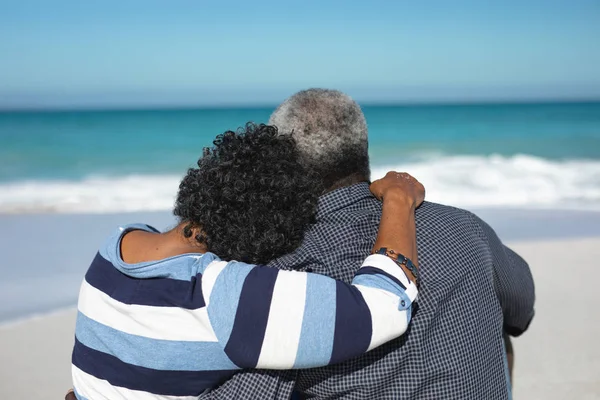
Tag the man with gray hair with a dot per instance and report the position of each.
(331, 132)
(454, 348)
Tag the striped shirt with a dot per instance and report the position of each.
(174, 328)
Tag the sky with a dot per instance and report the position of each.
(129, 53)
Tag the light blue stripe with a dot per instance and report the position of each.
(225, 297)
(318, 324)
(378, 282)
(183, 267)
(384, 283)
(79, 397)
(166, 355)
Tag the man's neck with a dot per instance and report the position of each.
(347, 181)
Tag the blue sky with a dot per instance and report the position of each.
(127, 53)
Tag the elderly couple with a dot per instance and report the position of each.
(327, 297)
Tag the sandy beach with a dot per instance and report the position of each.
(558, 358)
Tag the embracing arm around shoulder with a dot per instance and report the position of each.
(267, 318)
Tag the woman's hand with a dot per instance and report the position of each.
(401, 186)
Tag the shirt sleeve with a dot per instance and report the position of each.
(274, 319)
(513, 282)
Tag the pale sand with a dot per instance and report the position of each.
(558, 358)
(36, 357)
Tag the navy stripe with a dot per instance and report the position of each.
(245, 342)
(153, 229)
(169, 383)
(377, 271)
(158, 292)
(353, 326)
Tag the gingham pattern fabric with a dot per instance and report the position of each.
(471, 287)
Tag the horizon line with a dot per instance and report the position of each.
(260, 105)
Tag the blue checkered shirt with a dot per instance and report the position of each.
(473, 288)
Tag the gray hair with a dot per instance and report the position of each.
(330, 130)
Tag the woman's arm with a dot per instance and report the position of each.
(267, 318)
(401, 195)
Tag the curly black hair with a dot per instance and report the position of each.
(250, 195)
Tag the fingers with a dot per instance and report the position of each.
(420, 189)
(399, 175)
(403, 181)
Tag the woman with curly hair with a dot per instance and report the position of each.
(161, 315)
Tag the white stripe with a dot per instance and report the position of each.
(209, 277)
(93, 388)
(387, 265)
(284, 326)
(388, 322)
(166, 323)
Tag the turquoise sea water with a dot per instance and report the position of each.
(497, 155)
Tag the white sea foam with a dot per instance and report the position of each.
(464, 181)
(91, 195)
(496, 181)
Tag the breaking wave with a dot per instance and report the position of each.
(465, 181)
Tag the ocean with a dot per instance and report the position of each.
(68, 178)
(487, 155)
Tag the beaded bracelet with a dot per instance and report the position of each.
(401, 261)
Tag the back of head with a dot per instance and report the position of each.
(331, 132)
(250, 196)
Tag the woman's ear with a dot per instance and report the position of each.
(197, 234)
(187, 230)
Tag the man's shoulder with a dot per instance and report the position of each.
(456, 225)
(429, 211)
(365, 212)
